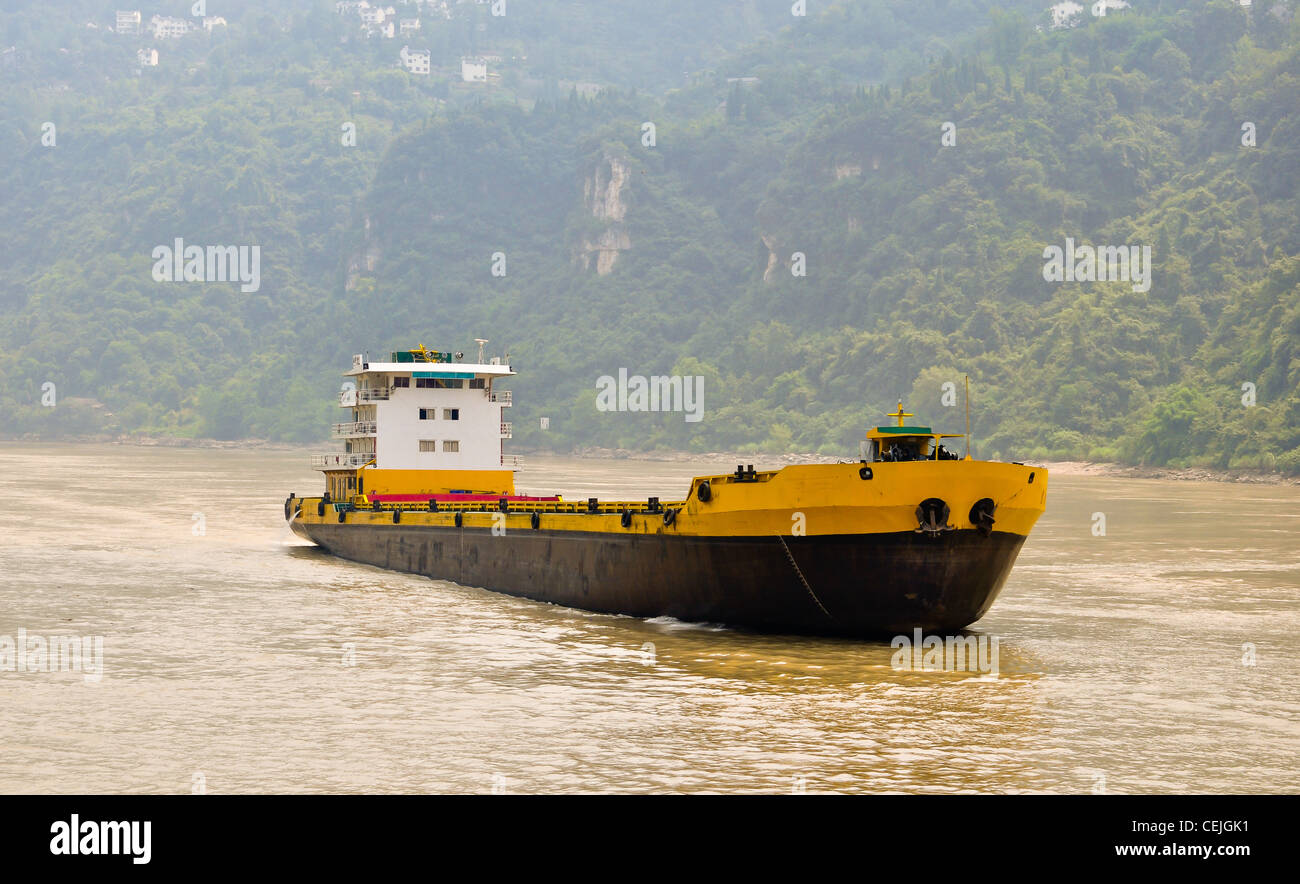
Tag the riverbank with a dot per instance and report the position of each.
(1060, 468)
(162, 442)
(760, 461)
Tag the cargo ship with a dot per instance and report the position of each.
(908, 535)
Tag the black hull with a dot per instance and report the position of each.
(871, 584)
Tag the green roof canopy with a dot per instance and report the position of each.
(906, 431)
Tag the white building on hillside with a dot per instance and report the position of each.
(416, 61)
(128, 22)
(408, 26)
(213, 22)
(1065, 14)
(147, 57)
(473, 70)
(1101, 7)
(165, 26)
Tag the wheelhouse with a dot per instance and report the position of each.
(893, 444)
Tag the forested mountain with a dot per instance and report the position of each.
(835, 210)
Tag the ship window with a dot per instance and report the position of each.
(401, 382)
(428, 414)
(424, 382)
(478, 383)
(352, 482)
(451, 414)
(451, 446)
(428, 445)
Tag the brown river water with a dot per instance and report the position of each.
(1161, 657)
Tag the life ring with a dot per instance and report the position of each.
(704, 492)
(670, 516)
(460, 519)
(343, 514)
(865, 473)
(537, 521)
(626, 519)
(320, 508)
(397, 516)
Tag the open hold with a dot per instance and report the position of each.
(932, 517)
(981, 515)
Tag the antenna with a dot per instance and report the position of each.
(967, 417)
(900, 414)
(480, 342)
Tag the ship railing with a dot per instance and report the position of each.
(502, 397)
(576, 507)
(354, 428)
(349, 398)
(507, 430)
(340, 461)
(512, 461)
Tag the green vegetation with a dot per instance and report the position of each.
(819, 136)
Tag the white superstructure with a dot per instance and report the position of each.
(422, 411)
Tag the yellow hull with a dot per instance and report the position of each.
(812, 548)
(805, 500)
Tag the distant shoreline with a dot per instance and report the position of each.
(761, 461)
(1060, 468)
